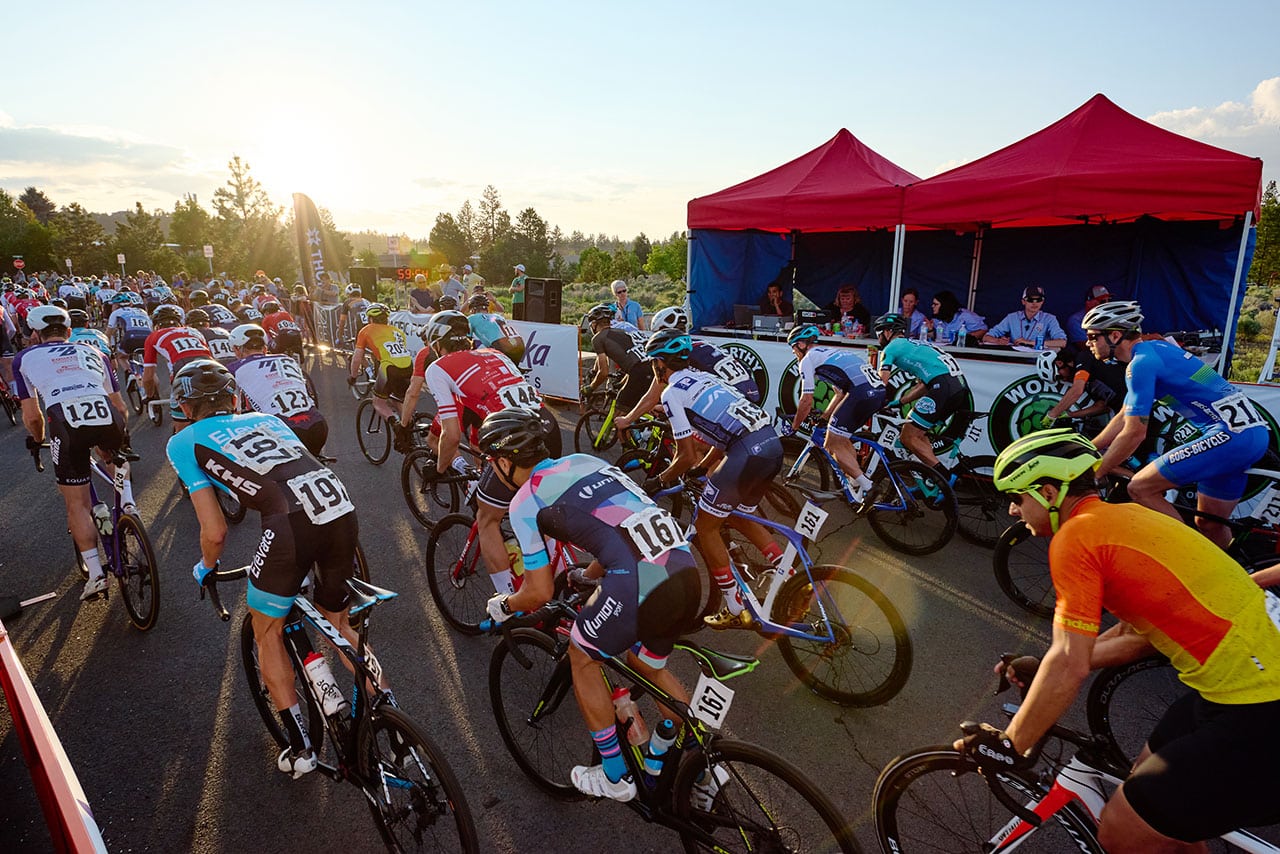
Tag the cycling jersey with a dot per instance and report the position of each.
(625, 349)
(836, 366)
(219, 341)
(220, 315)
(281, 326)
(1165, 373)
(387, 344)
(248, 314)
(922, 361)
(481, 382)
(128, 320)
(353, 310)
(176, 344)
(710, 359)
(275, 385)
(1103, 382)
(487, 328)
(700, 403)
(92, 338)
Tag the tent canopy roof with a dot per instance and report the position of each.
(1098, 162)
(841, 185)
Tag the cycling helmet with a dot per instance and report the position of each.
(121, 298)
(59, 302)
(808, 332)
(43, 316)
(219, 299)
(1047, 366)
(299, 289)
(1058, 456)
(669, 344)
(891, 322)
(352, 290)
(258, 289)
(599, 313)
(1125, 315)
(247, 333)
(445, 325)
(199, 297)
(198, 317)
(516, 434)
(79, 318)
(447, 304)
(674, 317)
(377, 312)
(200, 379)
(166, 315)
(270, 307)
(478, 303)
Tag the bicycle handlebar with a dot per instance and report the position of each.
(34, 447)
(211, 585)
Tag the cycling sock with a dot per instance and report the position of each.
(728, 587)
(295, 727)
(610, 752)
(772, 552)
(864, 482)
(127, 496)
(503, 582)
(92, 562)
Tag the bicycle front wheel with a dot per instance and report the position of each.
(1126, 701)
(536, 711)
(919, 519)
(1021, 565)
(139, 575)
(983, 511)
(935, 800)
(750, 799)
(372, 433)
(870, 659)
(587, 435)
(415, 798)
(427, 499)
(10, 408)
(457, 575)
(262, 697)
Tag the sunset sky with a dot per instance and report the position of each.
(603, 116)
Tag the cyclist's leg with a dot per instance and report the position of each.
(853, 412)
(381, 393)
(943, 396)
(493, 498)
(669, 611)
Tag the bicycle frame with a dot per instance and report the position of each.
(117, 482)
(881, 456)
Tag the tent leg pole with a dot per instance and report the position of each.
(974, 267)
(895, 273)
(1228, 332)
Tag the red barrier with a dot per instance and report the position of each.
(66, 810)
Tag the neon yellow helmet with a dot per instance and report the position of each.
(1058, 456)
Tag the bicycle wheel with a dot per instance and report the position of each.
(140, 577)
(760, 802)
(457, 575)
(416, 800)
(232, 508)
(10, 408)
(871, 658)
(1021, 564)
(1126, 701)
(934, 800)
(372, 433)
(360, 570)
(134, 394)
(587, 438)
(364, 382)
(427, 499)
(927, 522)
(262, 697)
(536, 711)
(983, 512)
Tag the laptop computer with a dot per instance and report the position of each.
(742, 315)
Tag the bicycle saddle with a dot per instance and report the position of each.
(721, 664)
(817, 496)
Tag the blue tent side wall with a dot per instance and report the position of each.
(728, 267)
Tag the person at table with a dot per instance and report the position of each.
(775, 303)
(949, 317)
(848, 306)
(421, 299)
(1095, 296)
(911, 312)
(1021, 328)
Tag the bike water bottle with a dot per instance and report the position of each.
(321, 677)
(663, 737)
(102, 519)
(515, 554)
(847, 328)
(624, 708)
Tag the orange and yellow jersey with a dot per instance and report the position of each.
(387, 344)
(1176, 588)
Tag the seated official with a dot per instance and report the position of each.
(848, 305)
(949, 318)
(774, 303)
(1022, 328)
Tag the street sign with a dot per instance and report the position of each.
(119, 259)
(208, 251)
(393, 244)
(68, 263)
(18, 263)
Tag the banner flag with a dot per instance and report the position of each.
(315, 251)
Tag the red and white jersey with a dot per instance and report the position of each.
(22, 306)
(482, 381)
(176, 344)
(279, 321)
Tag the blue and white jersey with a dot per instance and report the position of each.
(836, 366)
(129, 320)
(487, 327)
(92, 338)
(709, 358)
(700, 403)
(61, 373)
(1160, 372)
(273, 384)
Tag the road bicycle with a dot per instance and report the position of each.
(413, 795)
(12, 406)
(595, 432)
(132, 382)
(717, 793)
(373, 431)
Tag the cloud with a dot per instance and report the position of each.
(1230, 119)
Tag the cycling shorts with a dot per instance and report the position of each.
(492, 491)
(1212, 769)
(132, 343)
(69, 447)
(633, 387)
(1216, 462)
(312, 432)
(287, 341)
(291, 545)
(610, 623)
(392, 381)
(858, 406)
(76, 302)
(944, 395)
(750, 463)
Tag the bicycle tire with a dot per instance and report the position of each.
(413, 790)
(372, 433)
(155, 414)
(232, 507)
(545, 749)
(424, 495)
(456, 573)
(10, 408)
(262, 697)
(139, 576)
(982, 511)
(1021, 565)
(813, 469)
(928, 522)
(360, 570)
(364, 382)
(854, 671)
(934, 800)
(586, 433)
(1125, 702)
(135, 396)
(764, 804)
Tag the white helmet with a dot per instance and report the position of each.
(674, 317)
(1125, 315)
(44, 316)
(352, 290)
(1047, 366)
(246, 332)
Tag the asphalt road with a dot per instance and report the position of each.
(173, 756)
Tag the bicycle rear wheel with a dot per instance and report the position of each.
(536, 712)
(934, 800)
(983, 511)
(416, 800)
(139, 576)
(1126, 701)
(457, 575)
(754, 800)
(427, 499)
(10, 408)
(372, 433)
(871, 657)
(262, 697)
(927, 522)
(587, 438)
(1021, 564)
(134, 394)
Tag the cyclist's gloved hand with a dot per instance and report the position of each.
(696, 473)
(652, 485)
(199, 572)
(497, 608)
(786, 429)
(1046, 421)
(584, 392)
(991, 747)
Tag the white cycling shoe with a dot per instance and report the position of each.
(297, 764)
(93, 587)
(594, 782)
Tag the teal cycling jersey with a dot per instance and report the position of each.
(1160, 372)
(917, 358)
(92, 338)
(487, 328)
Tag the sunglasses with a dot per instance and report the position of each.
(1094, 336)
(1033, 299)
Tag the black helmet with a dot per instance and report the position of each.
(479, 302)
(166, 315)
(446, 325)
(200, 379)
(599, 313)
(517, 434)
(59, 302)
(198, 318)
(447, 304)
(79, 318)
(892, 322)
(199, 297)
(670, 345)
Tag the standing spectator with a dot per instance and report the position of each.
(949, 317)
(453, 287)
(326, 292)
(626, 310)
(517, 293)
(910, 310)
(1021, 328)
(774, 302)
(1095, 296)
(848, 305)
(421, 300)
(471, 279)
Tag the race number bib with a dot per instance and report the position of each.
(291, 402)
(322, 496)
(89, 411)
(221, 349)
(748, 415)
(949, 362)
(872, 376)
(1237, 412)
(731, 371)
(652, 531)
(186, 344)
(136, 321)
(507, 329)
(260, 451)
(520, 396)
(283, 367)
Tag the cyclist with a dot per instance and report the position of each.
(1233, 434)
(82, 334)
(858, 393)
(275, 384)
(1102, 381)
(491, 329)
(245, 312)
(648, 595)
(128, 328)
(389, 348)
(745, 455)
(307, 520)
(74, 293)
(300, 307)
(283, 333)
(219, 314)
(1209, 765)
(940, 389)
(624, 349)
(85, 410)
(177, 344)
(218, 339)
(8, 337)
(352, 314)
